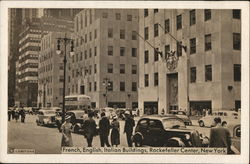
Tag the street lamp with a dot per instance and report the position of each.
(106, 83)
(65, 41)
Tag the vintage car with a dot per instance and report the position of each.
(228, 117)
(166, 131)
(182, 115)
(77, 119)
(46, 117)
(235, 131)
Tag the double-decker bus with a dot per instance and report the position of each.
(77, 102)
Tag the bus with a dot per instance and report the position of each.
(77, 102)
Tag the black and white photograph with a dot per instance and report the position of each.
(139, 81)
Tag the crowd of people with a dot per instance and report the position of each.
(16, 113)
(105, 126)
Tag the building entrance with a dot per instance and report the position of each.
(196, 107)
(172, 91)
(151, 107)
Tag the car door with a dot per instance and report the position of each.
(142, 127)
(155, 132)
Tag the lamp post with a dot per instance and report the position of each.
(65, 42)
(106, 83)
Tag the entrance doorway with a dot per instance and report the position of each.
(151, 107)
(196, 107)
(172, 91)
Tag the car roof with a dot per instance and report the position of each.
(76, 111)
(47, 110)
(159, 117)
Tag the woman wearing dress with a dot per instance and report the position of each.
(66, 129)
(115, 132)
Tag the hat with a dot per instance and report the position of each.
(67, 117)
(127, 112)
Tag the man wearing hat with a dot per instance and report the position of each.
(128, 128)
(104, 127)
(66, 129)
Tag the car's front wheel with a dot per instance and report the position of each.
(201, 123)
(137, 139)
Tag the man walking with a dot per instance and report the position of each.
(104, 127)
(89, 128)
(220, 136)
(128, 128)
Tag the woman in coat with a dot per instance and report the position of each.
(66, 129)
(115, 132)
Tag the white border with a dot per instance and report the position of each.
(243, 158)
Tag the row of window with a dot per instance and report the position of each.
(208, 75)
(83, 71)
(122, 51)
(122, 34)
(122, 87)
(122, 69)
(86, 38)
(117, 16)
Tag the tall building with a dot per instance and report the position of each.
(50, 71)
(105, 64)
(29, 43)
(206, 75)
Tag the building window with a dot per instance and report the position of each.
(86, 38)
(61, 66)
(146, 82)
(208, 42)
(134, 52)
(118, 16)
(110, 68)
(237, 104)
(95, 68)
(145, 12)
(110, 50)
(95, 86)
(85, 54)
(167, 49)
(236, 41)
(77, 24)
(237, 72)
(90, 53)
(86, 20)
(122, 34)
(134, 69)
(81, 56)
(156, 55)
(61, 79)
(95, 51)
(179, 48)
(156, 10)
(146, 56)
(192, 46)
(110, 86)
(192, 17)
(110, 33)
(95, 33)
(208, 73)
(89, 86)
(156, 79)
(129, 17)
(156, 30)
(90, 36)
(90, 69)
(236, 14)
(146, 33)
(134, 86)
(90, 17)
(167, 26)
(122, 68)
(105, 15)
(207, 14)
(193, 74)
(179, 22)
(122, 86)
(134, 35)
(122, 51)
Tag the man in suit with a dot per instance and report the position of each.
(104, 127)
(220, 136)
(128, 128)
(90, 128)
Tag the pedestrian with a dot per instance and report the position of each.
(220, 136)
(22, 113)
(16, 115)
(90, 128)
(13, 113)
(115, 132)
(9, 114)
(66, 130)
(104, 127)
(128, 127)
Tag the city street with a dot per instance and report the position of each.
(47, 140)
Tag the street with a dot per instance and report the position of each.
(47, 140)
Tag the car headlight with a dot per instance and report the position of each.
(187, 136)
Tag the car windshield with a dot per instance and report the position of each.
(172, 123)
(49, 112)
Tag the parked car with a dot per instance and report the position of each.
(46, 117)
(77, 119)
(165, 131)
(182, 115)
(235, 131)
(229, 117)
